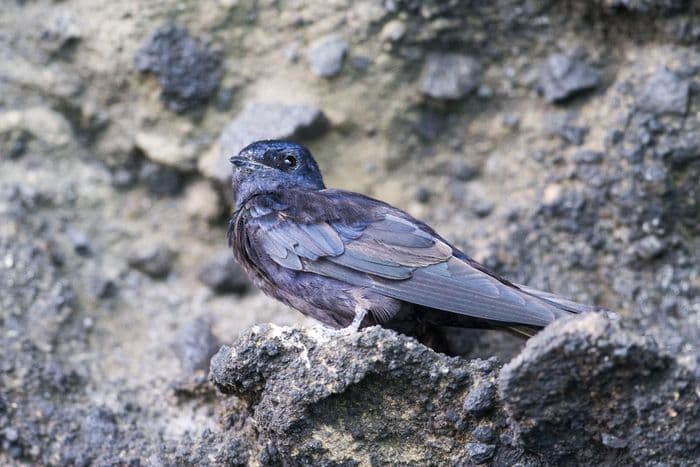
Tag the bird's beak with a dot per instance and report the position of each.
(239, 161)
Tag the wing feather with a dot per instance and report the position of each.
(396, 256)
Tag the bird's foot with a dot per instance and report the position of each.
(353, 327)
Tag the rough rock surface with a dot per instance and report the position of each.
(584, 391)
(369, 398)
(326, 55)
(449, 76)
(188, 73)
(563, 77)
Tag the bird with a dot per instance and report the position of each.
(350, 261)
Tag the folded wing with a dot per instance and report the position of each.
(396, 256)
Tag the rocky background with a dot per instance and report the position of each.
(558, 142)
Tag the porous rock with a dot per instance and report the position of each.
(373, 396)
(585, 390)
(153, 259)
(449, 76)
(188, 72)
(562, 77)
(326, 55)
(585, 380)
(664, 93)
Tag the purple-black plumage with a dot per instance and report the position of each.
(348, 260)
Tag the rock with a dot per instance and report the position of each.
(61, 31)
(481, 398)
(563, 415)
(613, 441)
(465, 172)
(161, 180)
(103, 288)
(80, 241)
(423, 195)
(326, 55)
(449, 76)
(202, 201)
(361, 62)
(429, 125)
(586, 156)
(572, 134)
(42, 123)
(482, 208)
(382, 392)
(291, 52)
(645, 6)
(480, 453)
(223, 275)
(266, 120)
(123, 178)
(385, 392)
(195, 344)
(13, 143)
(664, 93)
(649, 247)
(153, 259)
(224, 98)
(393, 31)
(562, 77)
(167, 150)
(188, 72)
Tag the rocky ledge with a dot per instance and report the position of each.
(585, 390)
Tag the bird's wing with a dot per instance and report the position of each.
(386, 250)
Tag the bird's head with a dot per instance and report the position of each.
(269, 166)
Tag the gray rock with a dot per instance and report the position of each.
(268, 120)
(464, 171)
(650, 247)
(195, 344)
(586, 376)
(613, 441)
(13, 143)
(153, 259)
(223, 275)
(449, 76)
(664, 93)
(326, 55)
(188, 72)
(572, 134)
(586, 156)
(123, 179)
(80, 241)
(646, 6)
(575, 383)
(161, 180)
(429, 125)
(481, 398)
(482, 208)
(103, 288)
(385, 392)
(423, 195)
(562, 77)
(480, 453)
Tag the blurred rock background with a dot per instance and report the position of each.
(558, 142)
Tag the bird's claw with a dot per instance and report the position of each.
(352, 327)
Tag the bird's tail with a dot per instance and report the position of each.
(558, 301)
(565, 305)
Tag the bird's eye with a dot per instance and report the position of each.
(290, 161)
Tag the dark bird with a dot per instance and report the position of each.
(351, 261)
